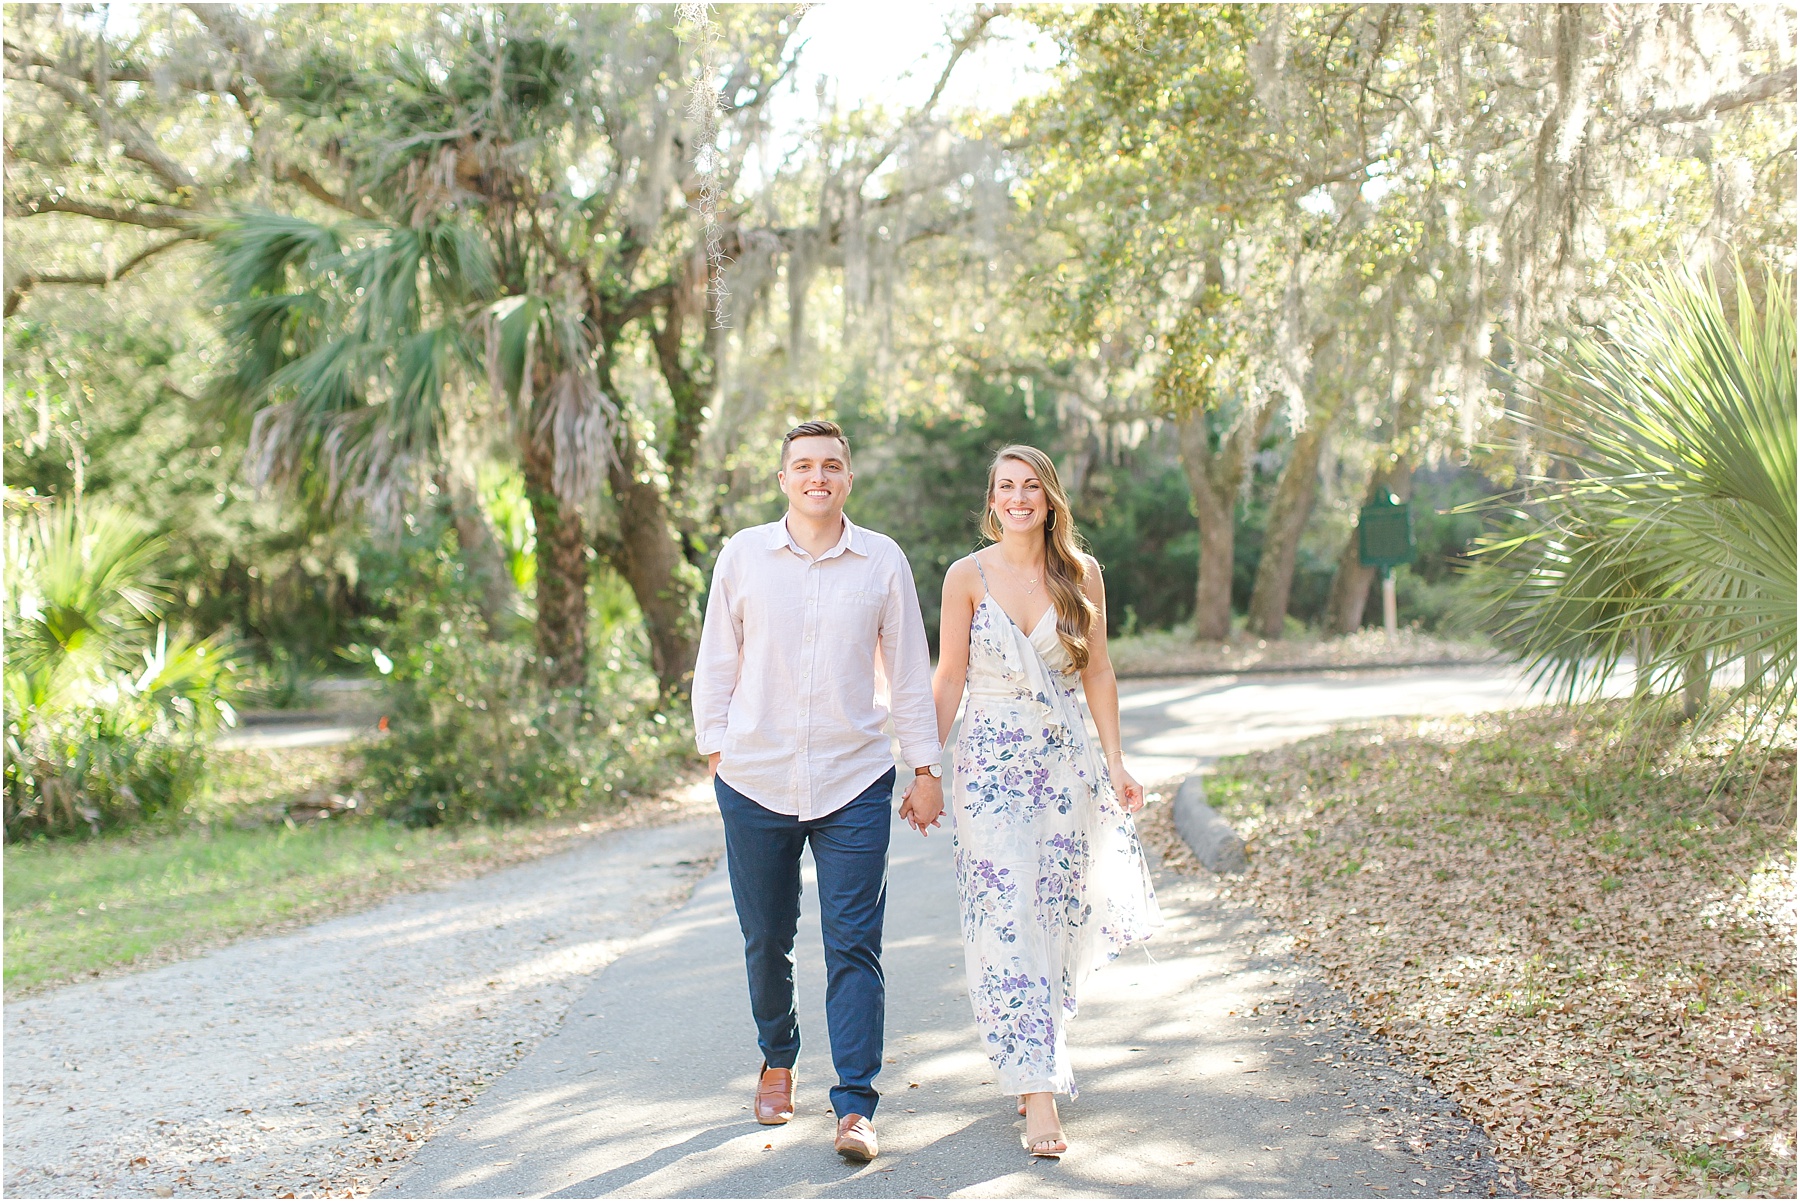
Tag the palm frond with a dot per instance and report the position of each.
(83, 576)
(255, 249)
(189, 678)
(346, 346)
(1672, 540)
(572, 411)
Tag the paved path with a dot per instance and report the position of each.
(322, 1060)
(1212, 1065)
(311, 1062)
(1171, 725)
(1200, 1076)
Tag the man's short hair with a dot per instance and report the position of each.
(818, 429)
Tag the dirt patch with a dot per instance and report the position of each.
(339, 880)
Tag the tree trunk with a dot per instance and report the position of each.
(648, 555)
(689, 391)
(1696, 681)
(1351, 581)
(1281, 540)
(1218, 549)
(562, 572)
(1214, 478)
(1640, 661)
(482, 557)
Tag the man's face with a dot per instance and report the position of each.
(816, 477)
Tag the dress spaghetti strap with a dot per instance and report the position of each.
(982, 572)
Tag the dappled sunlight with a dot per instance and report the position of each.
(436, 358)
(344, 1042)
(909, 943)
(616, 1102)
(1560, 920)
(579, 960)
(1767, 897)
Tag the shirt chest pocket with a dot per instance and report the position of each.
(856, 612)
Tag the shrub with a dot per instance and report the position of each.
(473, 733)
(108, 714)
(1669, 535)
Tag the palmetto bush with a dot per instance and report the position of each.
(108, 713)
(1666, 531)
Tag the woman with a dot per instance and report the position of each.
(1052, 878)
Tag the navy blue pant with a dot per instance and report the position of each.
(849, 846)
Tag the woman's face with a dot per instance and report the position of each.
(1018, 499)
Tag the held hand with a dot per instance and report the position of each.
(712, 764)
(922, 805)
(1131, 794)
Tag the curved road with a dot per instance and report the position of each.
(603, 1006)
(1213, 1065)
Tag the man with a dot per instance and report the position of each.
(807, 619)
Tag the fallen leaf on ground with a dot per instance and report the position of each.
(1552, 915)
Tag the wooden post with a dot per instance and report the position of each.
(1390, 610)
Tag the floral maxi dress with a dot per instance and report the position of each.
(1052, 878)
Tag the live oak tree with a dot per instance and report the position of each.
(1304, 234)
(1350, 211)
(434, 224)
(531, 179)
(1184, 140)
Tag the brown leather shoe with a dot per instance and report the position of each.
(856, 1139)
(775, 1096)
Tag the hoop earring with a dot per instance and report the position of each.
(1051, 523)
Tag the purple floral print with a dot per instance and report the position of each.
(1052, 878)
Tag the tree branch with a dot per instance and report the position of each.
(978, 24)
(309, 183)
(1763, 87)
(228, 28)
(160, 217)
(645, 301)
(25, 56)
(139, 146)
(1307, 183)
(15, 292)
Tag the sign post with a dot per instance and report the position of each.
(1384, 539)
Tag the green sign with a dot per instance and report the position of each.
(1384, 534)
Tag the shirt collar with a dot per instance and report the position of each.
(852, 539)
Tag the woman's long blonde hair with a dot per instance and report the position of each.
(1064, 567)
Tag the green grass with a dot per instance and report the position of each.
(77, 908)
(233, 865)
(80, 908)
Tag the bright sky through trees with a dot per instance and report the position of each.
(874, 53)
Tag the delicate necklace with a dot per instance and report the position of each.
(1031, 587)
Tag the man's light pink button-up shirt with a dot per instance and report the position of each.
(801, 661)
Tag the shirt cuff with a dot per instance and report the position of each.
(710, 741)
(918, 757)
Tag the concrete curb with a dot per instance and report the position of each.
(1218, 846)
